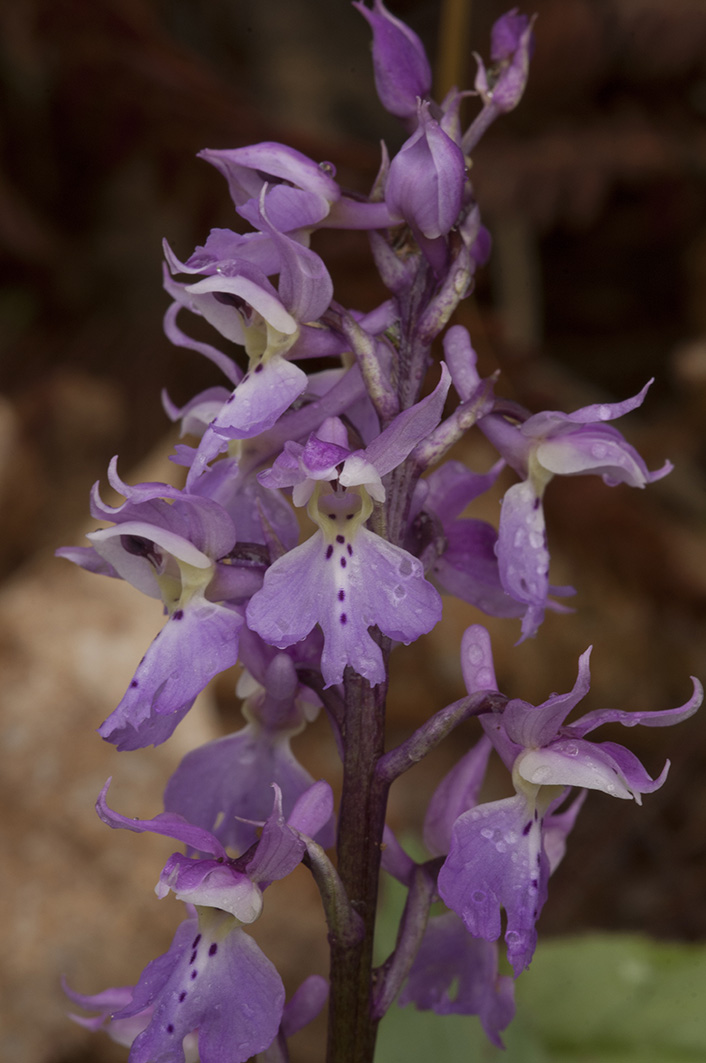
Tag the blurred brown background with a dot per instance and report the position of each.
(594, 192)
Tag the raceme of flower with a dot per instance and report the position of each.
(322, 512)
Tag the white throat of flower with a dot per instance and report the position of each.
(179, 587)
(263, 341)
(537, 475)
(340, 511)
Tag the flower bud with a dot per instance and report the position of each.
(426, 179)
(402, 71)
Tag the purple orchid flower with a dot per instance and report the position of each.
(237, 298)
(213, 996)
(299, 194)
(170, 546)
(544, 445)
(502, 853)
(456, 974)
(345, 577)
(214, 988)
(453, 972)
(226, 785)
(468, 565)
(402, 71)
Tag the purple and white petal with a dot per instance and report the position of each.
(260, 398)
(211, 884)
(214, 980)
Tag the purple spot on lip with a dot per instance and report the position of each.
(344, 618)
(170, 1028)
(349, 548)
(343, 562)
(329, 552)
(341, 595)
(196, 940)
(193, 956)
(527, 827)
(213, 949)
(134, 683)
(182, 996)
(332, 516)
(178, 615)
(349, 516)
(258, 368)
(193, 975)
(340, 538)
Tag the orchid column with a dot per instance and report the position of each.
(361, 447)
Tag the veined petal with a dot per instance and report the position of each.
(573, 763)
(347, 587)
(523, 558)
(599, 450)
(211, 884)
(497, 860)
(260, 398)
(195, 644)
(214, 980)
